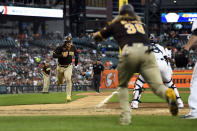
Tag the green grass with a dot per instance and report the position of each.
(180, 89)
(36, 98)
(184, 89)
(59, 97)
(87, 123)
(150, 97)
(95, 123)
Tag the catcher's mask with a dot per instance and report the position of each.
(126, 9)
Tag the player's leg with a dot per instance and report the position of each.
(137, 91)
(127, 65)
(170, 84)
(59, 75)
(192, 101)
(94, 82)
(123, 94)
(46, 84)
(167, 79)
(67, 76)
(98, 83)
(151, 73)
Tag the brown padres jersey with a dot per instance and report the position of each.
(57, 53)
(46, 70)
(125, 30)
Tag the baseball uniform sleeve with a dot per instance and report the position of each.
(163, 50)
(103, 33)
(57, 53)
(194, 28)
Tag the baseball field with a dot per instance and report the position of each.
(88, 111)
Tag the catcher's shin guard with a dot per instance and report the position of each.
(136, 98)
(170, 84)
(137, 93)
(178, 97)
(138, 88)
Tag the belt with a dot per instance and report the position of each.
(65, 66)
(131, 44)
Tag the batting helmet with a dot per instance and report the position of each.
(67, 39)
(126, 9)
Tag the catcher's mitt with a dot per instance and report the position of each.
(182, 58)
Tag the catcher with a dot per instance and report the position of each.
(65, 54)
(166, 74)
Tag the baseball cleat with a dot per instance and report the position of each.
(126, 120)
(125, 123)
(189, 117)
(45, 92)
(171, 99)
(180, 103)
(134, 104)
(68, 98)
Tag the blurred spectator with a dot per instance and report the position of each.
(174, 38)
(23, 66)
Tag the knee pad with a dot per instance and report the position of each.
(169, 83)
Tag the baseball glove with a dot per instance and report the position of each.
(182, 58)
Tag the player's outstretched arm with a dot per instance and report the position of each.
(191, 42)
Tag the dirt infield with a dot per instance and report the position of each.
(86, 106)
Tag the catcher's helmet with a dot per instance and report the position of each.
(67, 39)
(126, 9)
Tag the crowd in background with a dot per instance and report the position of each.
(174, 41)
(22, 64)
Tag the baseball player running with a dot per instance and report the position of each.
(166, 74)
(65, 54)
(46, 77)
(192, 101)
(135, 56)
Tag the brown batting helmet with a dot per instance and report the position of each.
(67, 39)
(126, 9)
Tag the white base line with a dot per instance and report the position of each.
(106, 99)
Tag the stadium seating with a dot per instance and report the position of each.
(4, 43)
(3, 89)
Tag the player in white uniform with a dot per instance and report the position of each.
(169, 56)
(192, 101)
(166, 74)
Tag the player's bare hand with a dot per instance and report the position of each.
(65, 54)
